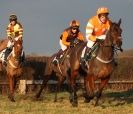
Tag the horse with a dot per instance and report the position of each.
(14, 67)
(60, 71)
(99, 67)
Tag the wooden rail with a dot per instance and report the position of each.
(112, 84)
(80, 82)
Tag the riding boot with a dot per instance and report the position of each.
(7, 52)
(56, 60)
(23, 57)
(86, 56)
(87, 53)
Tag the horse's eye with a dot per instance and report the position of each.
(115, 29)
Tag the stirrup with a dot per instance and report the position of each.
(83, 63)
(87, 57)
(82, 60)
(55, 61)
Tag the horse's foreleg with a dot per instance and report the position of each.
(60, 82)
(73, 94)
(11, 88)
(89, 87)
(104, 81)
(45, 80)
(16, 79)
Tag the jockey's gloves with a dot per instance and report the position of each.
(102, 37)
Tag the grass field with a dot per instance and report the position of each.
(112, 102)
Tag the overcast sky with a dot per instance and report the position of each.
(44, 20)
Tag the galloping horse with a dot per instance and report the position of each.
(99, 67)
(14, 67)
(59, 70)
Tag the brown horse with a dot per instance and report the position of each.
(99, 67)
(14, 67)
(60, 71)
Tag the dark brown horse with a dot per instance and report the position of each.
(14, 67)
(99, 67)
(60, 71)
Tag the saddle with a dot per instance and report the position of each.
(4, 54)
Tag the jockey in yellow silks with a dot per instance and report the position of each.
(96, 29)
(14, 29)
(14, 32)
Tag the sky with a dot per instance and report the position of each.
(44, 20)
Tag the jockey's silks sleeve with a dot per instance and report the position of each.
(15, 31)
(80, 36)
(64, 38)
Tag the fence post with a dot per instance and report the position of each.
(22, 87)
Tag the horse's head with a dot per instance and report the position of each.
(115, 34)
(18, 47)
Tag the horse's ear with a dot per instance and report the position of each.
(119, 22)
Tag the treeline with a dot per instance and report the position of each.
(34, 69)
(124, 70)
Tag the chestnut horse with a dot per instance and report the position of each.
(99, 67)
(14, 67)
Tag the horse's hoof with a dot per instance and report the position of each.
(37, 96)
(96, 103)
(55, 100)
(87, 100)
(11, 99)
(70, 99)
(74, 104)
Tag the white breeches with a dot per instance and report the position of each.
(63, 47)
(89, 45)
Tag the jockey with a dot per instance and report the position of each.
(97, 27)
(67, 37)
(14, 32)
(14, 29)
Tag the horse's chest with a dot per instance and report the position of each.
(104, 71)
(15, 72)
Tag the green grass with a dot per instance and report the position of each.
(110, 103)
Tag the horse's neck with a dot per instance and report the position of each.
(106, 50)
(105, 53)
(13, 56)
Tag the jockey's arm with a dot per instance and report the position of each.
(8, 32)
(64, 38)
(89, 35)
(89, 32)
(20, 29)
(80, 36)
